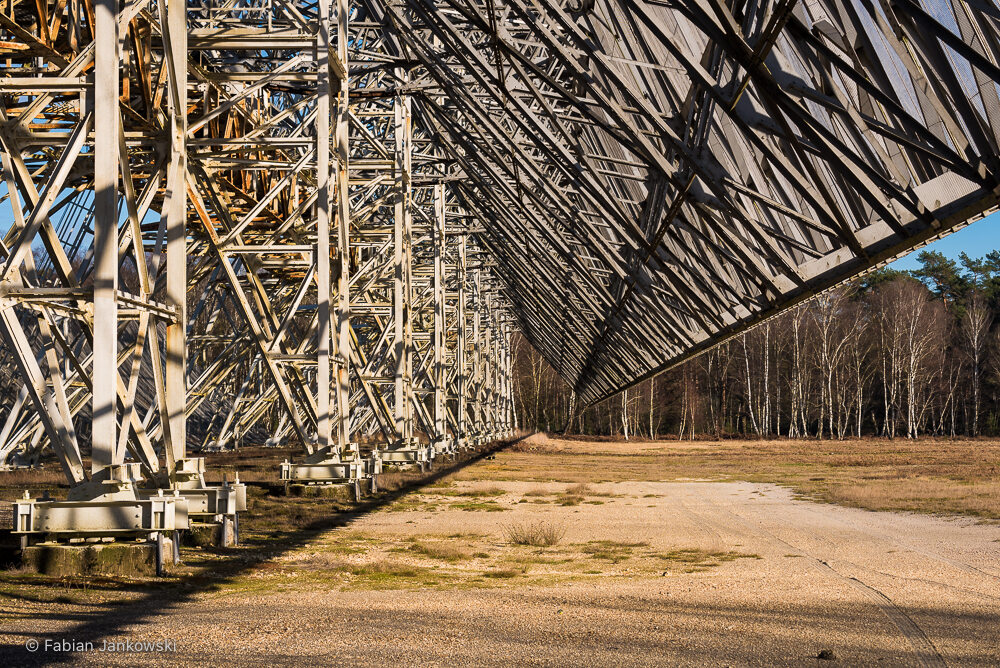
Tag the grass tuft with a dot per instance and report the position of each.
(536, 534)
(486, 506)
(504, 574)
(441, 551)
(695, 560)
(610, 550)
(479, 493)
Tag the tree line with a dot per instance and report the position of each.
(894, 353)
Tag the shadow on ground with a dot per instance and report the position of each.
(97, 621)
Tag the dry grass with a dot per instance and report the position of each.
(475, 493)
(535, 534)
(572, 495)
(927, 475)
(13, 483)
(386, 568)
(694, 559)
(46, 476)
(440, 551)
(979, 498)
(319, 561)
(251, 464)
(610, 550)
(391, 481)
(479, 506)
(356, 560)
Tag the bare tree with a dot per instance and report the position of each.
(831, 343)
(975, 328)
(887, 356)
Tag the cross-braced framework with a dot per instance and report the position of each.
(321, 221)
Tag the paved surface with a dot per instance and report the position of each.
(873, 588)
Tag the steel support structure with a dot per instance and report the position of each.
(321, 222)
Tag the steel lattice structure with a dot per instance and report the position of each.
(323, 220)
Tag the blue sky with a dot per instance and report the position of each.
(976, 240)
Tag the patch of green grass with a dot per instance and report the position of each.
(316, 561)
(386, 568)
(538, 559)
(503, 574)
(18, 585)
(349, 543)
(441, 551)
(610, 550)
(484, 506)
(573, 495)
(412, 503)
(394, 575)
(252, 584)
(380, 574)
(694, 559)
(479, 493)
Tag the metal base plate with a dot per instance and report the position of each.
(332, 470)
(100, 517)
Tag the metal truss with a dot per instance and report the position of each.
(655, 177)
(227, 217)
(321, 221)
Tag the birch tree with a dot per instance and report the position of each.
(975, 329)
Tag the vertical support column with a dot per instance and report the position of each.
(106, 129)
(477, 376)
(403, 327)
(342, 342)
(460, 361)
(504, 378)
(323, 206)
(486, 392)
(497, 382)
(496, 397)
(439, 314)
(175, 211)
(509, 376)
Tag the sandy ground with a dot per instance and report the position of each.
(873, 588)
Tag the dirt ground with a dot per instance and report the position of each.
(638, 559)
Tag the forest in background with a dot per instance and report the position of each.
(890, 354)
